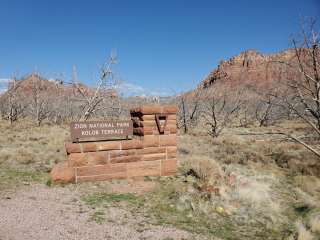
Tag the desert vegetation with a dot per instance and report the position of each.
(219, 101)
(235, 186)
(249, 156)
(59, 101)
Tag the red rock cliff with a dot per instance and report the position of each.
(252, 68)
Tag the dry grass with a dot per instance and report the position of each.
(258, 150)
(308, 184)
(315, 223)
(259, 181)
(27, 152)
(24, 144)
(240, 187)
(303, 233)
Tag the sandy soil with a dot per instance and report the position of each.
(40, 212)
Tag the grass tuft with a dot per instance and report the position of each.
(12, 177)
(98, 199)
(98, 217)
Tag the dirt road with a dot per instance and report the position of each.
(41, 212)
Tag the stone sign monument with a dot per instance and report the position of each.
(95, 152)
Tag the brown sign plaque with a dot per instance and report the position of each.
(100, 130)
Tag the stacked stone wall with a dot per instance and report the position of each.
(150, 152)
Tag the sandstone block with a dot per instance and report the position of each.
(151, 150)
(150, 132)
(144, 131)
(105, 177)
(150, 128)
(89, 147)
(173, 131)
(62, 173)
(101, 170)
(126, 159)
(151, 117)
(172, 117)
(72, 147)
(154, 156)
(172, 152)
(150, 124)
(131, 144)
(168, 140)
(171, 122)
(89, 158)
(147, 110)
(170, 109)
(143, 168)
(169, 167)
(121, 153)
(170, 131)
(98, 158)
(78, 159)
(170, 127)
(151, 141)
(110, 145)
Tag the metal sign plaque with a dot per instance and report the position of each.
(100, 130)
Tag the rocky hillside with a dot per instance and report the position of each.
(252, 68)
(34, 84)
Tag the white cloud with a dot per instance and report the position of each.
(159, 93)
(4, 80)
(2, 90)
(4, 84)
(130, 89)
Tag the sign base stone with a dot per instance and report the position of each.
(151, 152)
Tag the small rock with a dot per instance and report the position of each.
(232, 179)
(190, 179)
(190, 215)
(191, 189)
(220, 210)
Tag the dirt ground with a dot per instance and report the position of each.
(42, 212)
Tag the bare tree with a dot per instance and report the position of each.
(189, 110)
(41, 100)
(103, 98)
(219, 109)
(269, 107)
(56, 101)
(59, 113)
(304, 99)
(12, 104)
(244, 114)
(244, 119)
(263, 113)
(303, 95)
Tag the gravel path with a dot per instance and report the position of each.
(39, 212)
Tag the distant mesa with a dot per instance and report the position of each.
(35, 82)
(252, 68)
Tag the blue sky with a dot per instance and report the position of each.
(162, 46)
